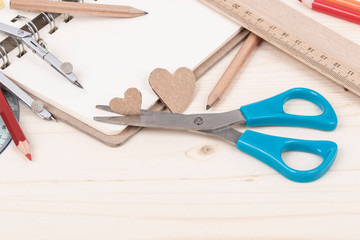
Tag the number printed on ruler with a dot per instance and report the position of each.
(291, 44)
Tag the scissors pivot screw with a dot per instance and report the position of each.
(199, 121)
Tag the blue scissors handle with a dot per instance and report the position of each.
(271, 111)
(269, 149)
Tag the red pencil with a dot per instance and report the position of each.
(333, 10)
(13, 126)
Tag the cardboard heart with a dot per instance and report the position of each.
(129, 105)
(175, 90)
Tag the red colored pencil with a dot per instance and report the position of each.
(333, 10)
(13, 126)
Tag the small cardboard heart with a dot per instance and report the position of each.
(129, 105)
(175, 90)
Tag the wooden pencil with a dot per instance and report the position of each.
(104, 10)
(13, 126)
(231, 71)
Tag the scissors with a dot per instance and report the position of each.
(264, 147)
(64, 69)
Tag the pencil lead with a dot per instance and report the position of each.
(146, 12)
(78, 84)
(28, 156)
(208, 107)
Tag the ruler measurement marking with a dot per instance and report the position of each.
(291, 44)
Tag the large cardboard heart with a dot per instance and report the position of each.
(175, 90)
(129, 105)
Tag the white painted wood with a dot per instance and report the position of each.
(161, 185)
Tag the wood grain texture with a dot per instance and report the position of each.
(76, 8)
(195, 187)
(301, 37)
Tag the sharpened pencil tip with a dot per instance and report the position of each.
(78, 84)
(208, 107)
(28, 156)
(146, 13)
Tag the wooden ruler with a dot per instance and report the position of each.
(306, 40)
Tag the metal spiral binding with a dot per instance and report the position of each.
(32, 28)
(48, 17)
(20, 46)
(68, 17)
(4, 56)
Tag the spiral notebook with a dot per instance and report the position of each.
(110, 55)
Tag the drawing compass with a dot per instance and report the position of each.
(25, 37)
(5, 137)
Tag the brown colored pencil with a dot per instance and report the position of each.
(104, 10)
(230, 73)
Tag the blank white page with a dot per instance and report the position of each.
(110, 55)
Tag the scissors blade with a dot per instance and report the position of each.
(227, 133)
(104, 108)
(155, 119)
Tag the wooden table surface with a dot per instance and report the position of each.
(179, 185)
